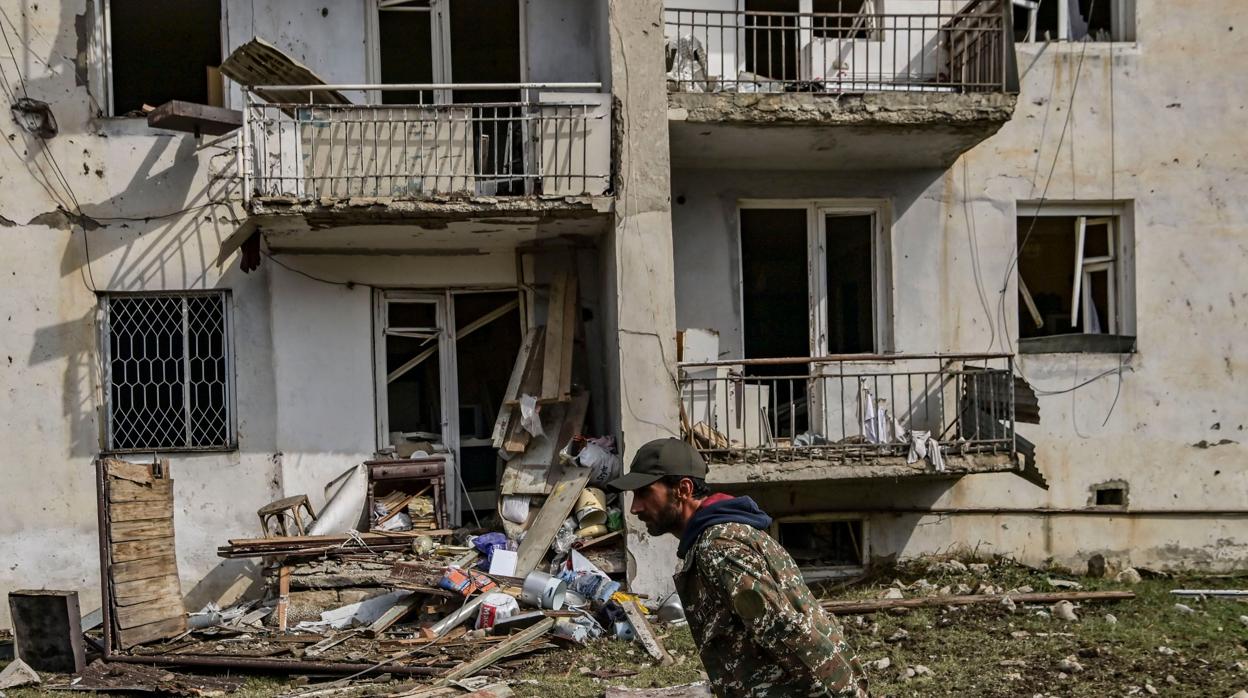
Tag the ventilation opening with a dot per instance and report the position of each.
(825, 547)
(1111, 496)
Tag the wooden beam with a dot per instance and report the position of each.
(552, 361)
(512, 392)
(569, 334)
(645, 635)
(283, 597)
(849, 607)
(546, 522)
(501, 650)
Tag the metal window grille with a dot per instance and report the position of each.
(168, 372)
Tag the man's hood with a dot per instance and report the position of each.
(732, 510)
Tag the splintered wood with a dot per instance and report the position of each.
(143, 570)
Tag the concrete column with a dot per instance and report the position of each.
(638, 264)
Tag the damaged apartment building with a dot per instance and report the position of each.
(917, 275)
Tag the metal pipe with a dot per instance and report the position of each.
(831, 358)
(294, 665)
(432, 86)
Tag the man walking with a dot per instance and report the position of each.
(758, 628)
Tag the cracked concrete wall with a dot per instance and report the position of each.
(638, 259)
(1142, 129)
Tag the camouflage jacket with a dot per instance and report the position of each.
(759, 629)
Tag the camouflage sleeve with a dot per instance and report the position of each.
(743, 580)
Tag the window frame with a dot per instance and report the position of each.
(100, 59)
(816, 266)
(1122, 275)
(103, 307)
(1122, 21)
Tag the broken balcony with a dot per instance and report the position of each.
(521, 160)
(848, 84)
(854, 417)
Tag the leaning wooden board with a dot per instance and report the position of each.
(145, 595)
(571, 480)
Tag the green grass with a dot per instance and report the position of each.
(963, 648)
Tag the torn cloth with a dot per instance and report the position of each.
(922, 445)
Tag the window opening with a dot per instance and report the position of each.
(169, 384)
(187, 38)
(1111, 496)
(1074, 20)
(824, 545)
(851, 19)
(850, 283)
(1067, 270)
(771, 40)
(405, 46)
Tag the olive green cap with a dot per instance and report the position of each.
(658, 459)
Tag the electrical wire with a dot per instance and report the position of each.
(346, 284)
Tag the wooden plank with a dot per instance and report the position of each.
(144, 569)
(283, 597)
(200, 119)
(523, 358)
(258, 62)
(570, 318)
(501, 650)
(135, 472)
(120, 491)
(150, 612)
(529, 472)
(394, 614)
(517, 439)
(848, 607)
(573, 420)
(641, 627)
(143, 529)
(552, 360)
(545, 523)
(143, 590)
(142, 549)
(160, 630)
(134, 511)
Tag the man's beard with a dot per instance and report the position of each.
(666, 521)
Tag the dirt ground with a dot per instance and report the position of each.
(1150, 646)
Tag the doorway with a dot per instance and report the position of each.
(443, 361)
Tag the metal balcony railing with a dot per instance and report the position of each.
(524, 140)
(912, 46)
(850, 409)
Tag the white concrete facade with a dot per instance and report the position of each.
(161, 207)
(1156, 126)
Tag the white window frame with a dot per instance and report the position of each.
(440, 33)
(1119, 263)
(100, 58)
(1122, 20)
(828, 572)
(443, 300)
(817, 211)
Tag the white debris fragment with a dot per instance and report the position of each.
(898, 636)
(1244, 620)
(962, 590)
(1183, 608)
(881, 664)
(978, 568)
(1064, 584)
(892, 593)
(1070, 665)
(1008, 604)
(17, 674)
(1020, 634)
(917, 670)
(1111, 619)
(1064, 610)
(1148, 688)
(1025, 589)
(1166, 651)
(1128, 576)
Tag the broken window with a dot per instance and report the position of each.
(1074, 20)
(824, 545)
(1072, 281)
(162, 51)
(169, 384)
(443, 387)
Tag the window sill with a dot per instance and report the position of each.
(1078, 344)
(169, 451)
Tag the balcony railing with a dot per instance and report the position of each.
(851, 409)
(915, 46)
(523, 140)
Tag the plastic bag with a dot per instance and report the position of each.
(603, 465)
(529, 417)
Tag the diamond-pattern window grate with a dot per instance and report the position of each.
(169, 385)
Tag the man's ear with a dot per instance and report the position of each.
(685, 488)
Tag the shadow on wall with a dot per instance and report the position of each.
(226, 584)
